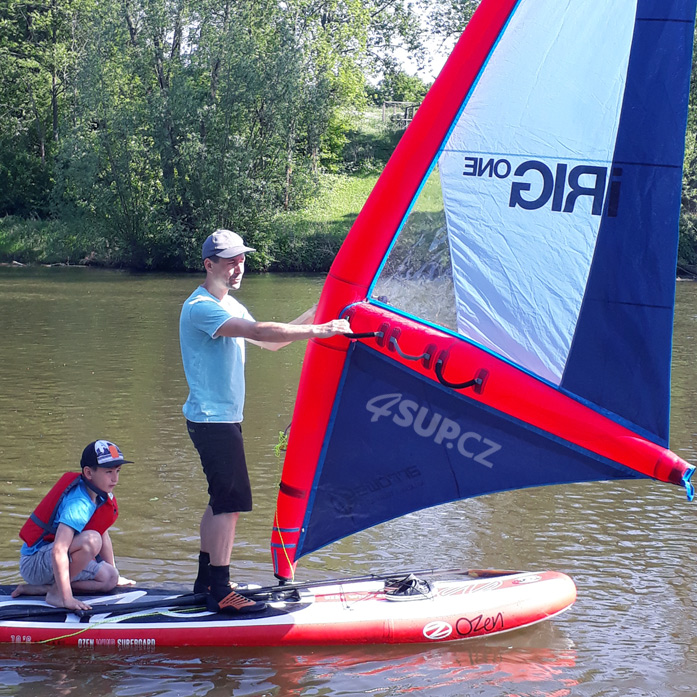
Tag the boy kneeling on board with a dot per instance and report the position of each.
(66, 540)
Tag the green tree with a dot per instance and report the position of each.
(37, 52)
(191, 114)
(446, 19)
(399, 86)
(145, 123)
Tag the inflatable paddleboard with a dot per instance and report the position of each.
(413, 608)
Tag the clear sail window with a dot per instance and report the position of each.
(417, 276)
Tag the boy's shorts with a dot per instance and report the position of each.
(37, 568)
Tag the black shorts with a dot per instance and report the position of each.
(221, 449)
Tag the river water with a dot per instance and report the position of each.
(88, 354)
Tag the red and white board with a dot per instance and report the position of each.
(461, 605)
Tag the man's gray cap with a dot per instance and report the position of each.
(225, 244)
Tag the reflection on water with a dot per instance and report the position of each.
(438, 671)
(88, 353)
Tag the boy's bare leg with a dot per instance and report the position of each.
(30, 589)
(106, 579)
(83, 549)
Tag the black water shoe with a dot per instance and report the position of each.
(204, 587)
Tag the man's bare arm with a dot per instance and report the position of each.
(307, 317)
(281, 333)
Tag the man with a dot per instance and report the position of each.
(212, 330)
(66, 540)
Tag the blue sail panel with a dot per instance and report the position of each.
(672, 10)
(397, 445)
(620, 358)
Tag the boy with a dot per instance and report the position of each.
(67, 545)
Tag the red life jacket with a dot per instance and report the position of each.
(41, 523)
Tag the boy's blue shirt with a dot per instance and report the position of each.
(75, 510)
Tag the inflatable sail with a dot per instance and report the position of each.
(511, 278)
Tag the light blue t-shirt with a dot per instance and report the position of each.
(214, 368)
(75, 510)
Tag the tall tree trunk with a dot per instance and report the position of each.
(215, 69)
(289, 164)
(129, 22)
(39, 127)
(54, 72)
(179, 206)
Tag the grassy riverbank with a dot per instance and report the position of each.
(308, 239)
(38, 242)
(303, 240)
